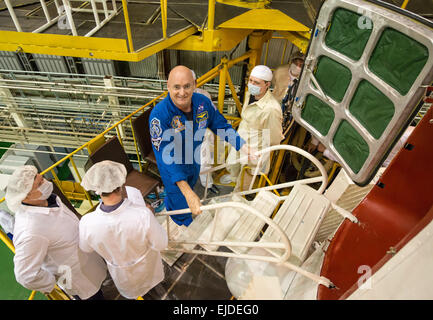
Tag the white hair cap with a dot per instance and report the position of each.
(19, 185)
(104, 177)
(262, 72)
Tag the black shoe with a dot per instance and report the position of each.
(250, 197)
(214, 189)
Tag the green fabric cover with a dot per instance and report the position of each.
(398, 59)
(371, 108)
(318, 114)
(333, 77)
(348, 33)
(351, 146)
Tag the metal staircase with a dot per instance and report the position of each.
(237, 224)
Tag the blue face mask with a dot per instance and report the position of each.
(253, 89)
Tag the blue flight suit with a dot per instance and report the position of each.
(176, 143)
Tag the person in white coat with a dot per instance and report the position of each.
(261, 125)
(123, 230)
(46, 240)
(207, 148)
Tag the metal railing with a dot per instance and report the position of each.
(323, 178)
(284, 242)
(65, 11)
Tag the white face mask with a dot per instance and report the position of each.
(253, 89)
(46, 188)
(295, 70)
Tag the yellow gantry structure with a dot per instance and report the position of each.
(219, 31)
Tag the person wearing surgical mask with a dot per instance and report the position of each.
(285, 84)
(286, 75)
(46, 240)
(261, 125)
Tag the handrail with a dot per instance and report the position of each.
(32, 295)
(211, 15)
(323, 178)
(127, 25)
(164, 18)
(65, 12)
(7, 241)
(280, 260)
(270, 222)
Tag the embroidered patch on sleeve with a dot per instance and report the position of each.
(156, 132)
(156, 143)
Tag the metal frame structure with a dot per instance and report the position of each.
(211, 37)
(108, 14)
(50, 20)
(66, 11)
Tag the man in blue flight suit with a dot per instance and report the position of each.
(177, 127)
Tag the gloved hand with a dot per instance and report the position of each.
(250, 151)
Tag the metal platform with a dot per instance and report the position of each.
(145, 17)
(44, 27)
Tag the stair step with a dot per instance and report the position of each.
(248, 226)
(183, 233)
(299, 216)
(225, 220)
(175, 231)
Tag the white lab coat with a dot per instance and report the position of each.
(47, 249)
(207, 149)
(260, 127)
(129, 239)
